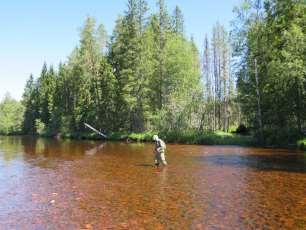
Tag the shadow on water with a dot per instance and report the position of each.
(144, 165)
(53, 148)
(44, 152)
(276, 162)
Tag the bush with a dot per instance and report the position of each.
(139, 137)
(146, 136)
(40, 127)
(11, 116)
(302, 144)
(207, 138)
(280, 136)
(242, 129)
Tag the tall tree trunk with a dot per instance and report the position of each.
(259, 113)
(298, 107)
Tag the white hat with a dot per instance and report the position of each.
(155, 138)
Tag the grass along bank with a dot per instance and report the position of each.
(186, 137)
(189, 137)
(302, 144)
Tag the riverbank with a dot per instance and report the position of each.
(187, 137)
(200, 138)
(203, 138)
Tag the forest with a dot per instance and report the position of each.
(148, 76)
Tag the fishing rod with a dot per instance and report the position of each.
(95, 130)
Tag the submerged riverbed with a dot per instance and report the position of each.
(51, 184)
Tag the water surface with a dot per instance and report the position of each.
(52, 184)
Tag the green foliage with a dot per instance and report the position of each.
(128, 52)
(147, 136)
(82, 90)
(302, 144)
(147, 76)
(178, 21)
(40, 127)
(155, 68)
(30, 102)
(273, 101)
(11, 116)
(125, 136)
(208, 138)
(187, 137)
(180, 86)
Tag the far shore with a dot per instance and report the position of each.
(191, 138)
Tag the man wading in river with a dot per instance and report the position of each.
(159, 151)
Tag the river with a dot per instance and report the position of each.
(67, 184)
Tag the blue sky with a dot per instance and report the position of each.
(35, 31)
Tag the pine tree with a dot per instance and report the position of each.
(30, 102)
(178, 21)
(162, 29)
(146, 77)
(128, 59)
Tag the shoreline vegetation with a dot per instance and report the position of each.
(188, 137)
(301, 144)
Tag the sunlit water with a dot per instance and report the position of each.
(50, 184)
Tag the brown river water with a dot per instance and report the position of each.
(53, 184)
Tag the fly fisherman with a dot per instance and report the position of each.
(159, 151)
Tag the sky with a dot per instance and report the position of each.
(35, 31)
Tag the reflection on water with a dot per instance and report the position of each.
(10, 148)
(275, 161)
(66, 184)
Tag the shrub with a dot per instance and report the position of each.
(302, 144)
(40, 127)
(242, 129)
